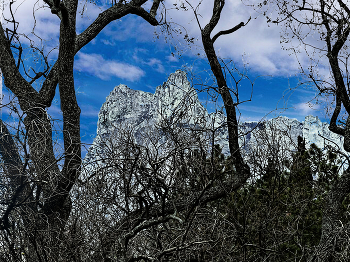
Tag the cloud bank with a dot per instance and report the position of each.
(104, 69)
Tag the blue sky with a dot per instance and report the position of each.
(131, 52)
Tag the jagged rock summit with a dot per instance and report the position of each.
(176, 99)
(141, 108)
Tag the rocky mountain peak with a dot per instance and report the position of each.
(176, 101)
(176, 82)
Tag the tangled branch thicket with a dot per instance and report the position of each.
(166, 192)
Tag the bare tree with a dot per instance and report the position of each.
(322, 28)
(222, 86)
(40, 197)
(162, 200)
(148, 194)
(145, 203)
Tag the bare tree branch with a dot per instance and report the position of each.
(229, 31)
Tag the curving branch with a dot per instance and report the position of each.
(344, 6)
(333, 123)
(113, 13)
(230, 31)
(217, 9)
(13, 79)
(243, 170)
(56, 6)
(163, 212)
(47, 92)
(154, 8)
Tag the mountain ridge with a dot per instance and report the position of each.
(176, 97)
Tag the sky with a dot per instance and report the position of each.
(132, 52)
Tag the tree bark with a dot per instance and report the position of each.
(243, 171)
(48, 190)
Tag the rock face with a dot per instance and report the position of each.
(175, 103)
(124, 105)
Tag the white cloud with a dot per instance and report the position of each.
(172, 58)
(156, 64)
(307, 108)
(107, 42)
(260, 41)
(129, 28)
(33, 17)
(36, 21)
(136, 55)
(104, 69)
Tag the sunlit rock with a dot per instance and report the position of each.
(175, 104)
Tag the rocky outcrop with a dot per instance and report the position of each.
(176, 103)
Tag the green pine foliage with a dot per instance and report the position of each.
(279, 216)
